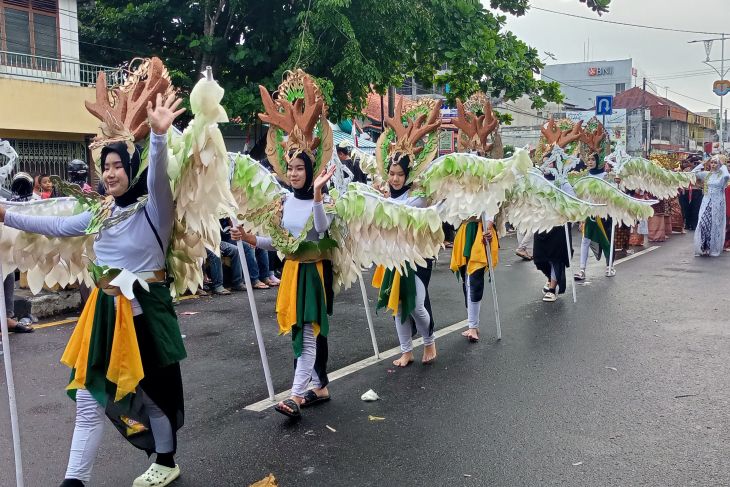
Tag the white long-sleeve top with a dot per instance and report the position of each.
(131, 244)
(408, 200)
(295, 214)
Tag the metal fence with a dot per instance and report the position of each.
(54, 70)
(44, 156)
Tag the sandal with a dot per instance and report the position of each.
(311, 398)
(260, 285)
(580, 275)
(291, 404)
(523, 254)
(21, 327)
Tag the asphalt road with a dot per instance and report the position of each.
(628, 387)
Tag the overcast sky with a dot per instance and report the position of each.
(664, 57)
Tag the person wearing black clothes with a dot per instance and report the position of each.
(343, 152)
(691, 198)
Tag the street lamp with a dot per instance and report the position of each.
(722, 72)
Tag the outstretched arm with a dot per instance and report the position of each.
(52, 226)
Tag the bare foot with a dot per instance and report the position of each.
(472, 334)
(404, 360)
(429, 354)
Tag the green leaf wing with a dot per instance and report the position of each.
(468, 185)
(618, 205)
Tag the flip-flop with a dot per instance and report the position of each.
(311, 398)
(294, 413)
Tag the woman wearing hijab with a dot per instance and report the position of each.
(551, 251)
(596, 231)
(125, 353)
(469, 259)
(710, 232)
(407, 295)
(305, 279)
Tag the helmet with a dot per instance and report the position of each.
(77, 171)
(22, 186)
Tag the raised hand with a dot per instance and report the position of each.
(323, 177)
(161, 116)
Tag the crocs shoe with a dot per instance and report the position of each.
(157, 476)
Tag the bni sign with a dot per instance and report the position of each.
(600, 71)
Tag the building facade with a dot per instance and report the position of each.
(44, 84)
(582, 82)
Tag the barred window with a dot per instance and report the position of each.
(28, 31)
(45, 156)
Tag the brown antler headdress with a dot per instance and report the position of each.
(123, 109)
(474, 131)
(299, 111)
(554, 135)
(594, 139)
(399, 140)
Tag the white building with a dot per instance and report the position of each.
(582, 82)
(44, 84)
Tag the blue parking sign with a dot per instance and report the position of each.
(604, 105)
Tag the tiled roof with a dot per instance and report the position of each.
(660, 107)
(372, 108)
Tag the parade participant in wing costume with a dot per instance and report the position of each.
(159, 213)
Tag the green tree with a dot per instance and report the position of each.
(352, 46)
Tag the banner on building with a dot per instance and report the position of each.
(615, 124)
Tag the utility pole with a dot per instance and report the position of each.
(722, 72)
(644, 128)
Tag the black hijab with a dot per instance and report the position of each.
(600, 166)
(403, 163)
(136, 189)
(306, 192)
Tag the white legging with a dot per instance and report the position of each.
(304, 373)
(523, 240)
(585, 245)
(472, 309)
(89, 431)
(422, 319)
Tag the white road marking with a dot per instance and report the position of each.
(352, 368)
(637, 254)
(362, 364)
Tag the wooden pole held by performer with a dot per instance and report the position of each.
(255, 315)
(610, 272)
(571, 281)
(11, 388)
(492, 282)
(368, 315)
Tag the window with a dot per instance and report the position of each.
(620, 88)
(29, 34)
